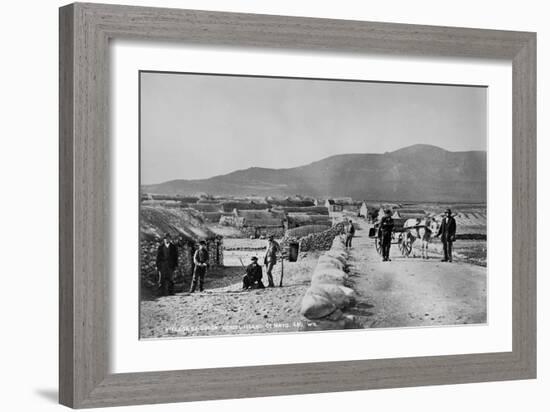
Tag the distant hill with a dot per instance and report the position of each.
(416, 173)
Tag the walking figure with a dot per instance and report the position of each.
(385, 234)
(350, 231)
(200, 259)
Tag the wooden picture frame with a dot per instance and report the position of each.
(85, 31)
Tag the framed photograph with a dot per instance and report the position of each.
(258, 205)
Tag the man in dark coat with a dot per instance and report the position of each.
(200, 259)
(384, 234)
(447, 231)
(167, 262)
(253, 277)
(350, 231)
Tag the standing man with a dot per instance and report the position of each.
(253, 277)
(384, 234)
(270, 258)
(447, 231)
(167, 262)
(200, 259)
(350, 231)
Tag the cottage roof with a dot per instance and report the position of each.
(299, 219)
(157, 221)
(206, 207)
(410, 210)
(295, 201)
(230, 206)
(310, 210)
(261, 218)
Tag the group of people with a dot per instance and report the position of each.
(254, 274)
(447, 233)
(167, 263)
(167, 255)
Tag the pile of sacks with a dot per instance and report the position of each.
(328, 294)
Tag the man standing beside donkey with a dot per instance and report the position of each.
(447, 231)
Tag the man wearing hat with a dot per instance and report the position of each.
(270, 258)
(384, 234)
(447, 231)
(167, 261)
(350, 231)
(200, 259)
(253, 277)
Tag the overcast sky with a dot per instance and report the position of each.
(198, 126)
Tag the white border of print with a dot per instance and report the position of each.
(129, 354)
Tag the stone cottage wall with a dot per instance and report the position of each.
(255, 232)
(316, 241)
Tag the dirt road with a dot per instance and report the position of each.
(224, 309)
(414, 292)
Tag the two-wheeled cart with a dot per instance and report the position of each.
(399, 237)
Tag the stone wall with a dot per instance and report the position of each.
(184, 272)
(256, 232)
(330, 294)
(316, 241)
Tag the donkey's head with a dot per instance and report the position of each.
(433, 224)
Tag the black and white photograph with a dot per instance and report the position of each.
(290, 205)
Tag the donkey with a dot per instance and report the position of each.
(423, 229)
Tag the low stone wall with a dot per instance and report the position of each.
(316, 241)
(329, 293)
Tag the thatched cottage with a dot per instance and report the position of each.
(307, 210)
(289, 201)
(206, 207)
(187, 229)
(230, 206)
(258, 223)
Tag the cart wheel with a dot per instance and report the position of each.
(377, 246)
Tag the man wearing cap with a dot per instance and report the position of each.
(350, 231)
(253, 277)
(384, 234)
(270, 258)
(200, 259)
(167, 261)
(447, 231)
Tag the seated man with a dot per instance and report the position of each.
(253, 277)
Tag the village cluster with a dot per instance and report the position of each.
(184, 237)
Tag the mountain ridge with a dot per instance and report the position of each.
(418, 173)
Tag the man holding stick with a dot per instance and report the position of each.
(200, 259)
(270, 259)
